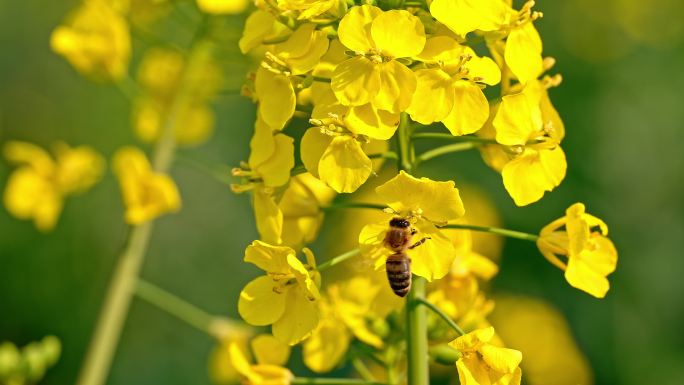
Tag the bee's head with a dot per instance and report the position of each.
(400, 222)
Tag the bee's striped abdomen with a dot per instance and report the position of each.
(398, 268)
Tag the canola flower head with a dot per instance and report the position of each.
(583, 239)
(483, 363)
(37, 188)
(146, 194)
(258, 374)
(286, 297)
(95, 39)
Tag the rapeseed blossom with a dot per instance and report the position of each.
(259, 374)
(95, 39)
(286, 297)
(583, 239)
(146, 194)
(37, 188)
(482, 363)
(426, 203)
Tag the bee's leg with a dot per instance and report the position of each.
(419, 243)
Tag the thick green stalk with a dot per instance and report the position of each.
(122, 286)
(416, 318)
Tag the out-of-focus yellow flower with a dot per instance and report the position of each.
(222, 7)
(286, 297)
(426, 203)
(375, 75)
(309, 9)
(528, 124)
(541, 333)
(482, 363)
(450, 92)
(28, 365)
(350, 310)
(270, 350)
(259, 374)
(583, 239)
(463, 16)
(523, 51)
(37, 188)
(95, 40)
(146, 193)
(194, 123)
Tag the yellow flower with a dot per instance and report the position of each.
(350, 309)
(530, 126)
(286, 297)
(523, 50)
(450, 92)
(309, 9)
(37, 188)
(259, 374)
(222, 7)
(375, 75)
(195, 122)
(301, 207)
(582, 238)
(273, 84)
(482, 363)
(426, 203)
(260, 25)
(463, 16)
(544, 337)
(146, 194)
(95, 40)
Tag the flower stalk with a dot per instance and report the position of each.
(494, 230)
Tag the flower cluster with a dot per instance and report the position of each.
(341, 88)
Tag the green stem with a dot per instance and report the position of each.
(448, 149)
(416, 318)
(321, 79)
(337, 260)
(384, 155)
(177, 307)
(362, 369)
(494, 230)
(121, 288)
(443, 136)
(439, 312)
(331, 381)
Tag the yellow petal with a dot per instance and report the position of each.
(463, 16)
(356, 81)
(259, 25)
(268, 350)
(327, 346)
(355, 28)
(276, 170)
(437, 201)
(276, 98)
(369, 121)
(222, 7)
(580, 275)
(239, 361)
(303, 49)
(299, 319)
(304, 279)
(470, 110)
(472, 371)
(344, 166)
(523, 53)
(269, 258)
(23, 153)
(397, 33)
(262, 145)
(433, 98)
(528, 176)
(441, 49)
(516, 119)
(433, 259)
(314, 144)
(269, 218)
(397, 85)
(371, 243)
(483, 69)
(259, 304)
(77, 168)
(473, 340)
(501, 360)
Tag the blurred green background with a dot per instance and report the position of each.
(622, 104)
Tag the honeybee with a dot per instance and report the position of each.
(398, 265)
